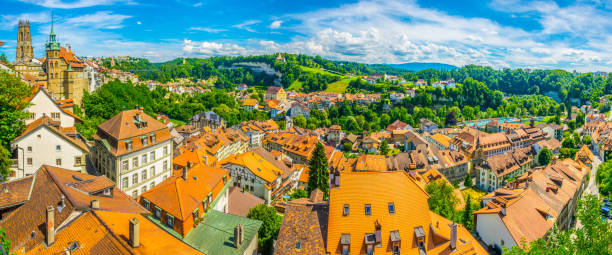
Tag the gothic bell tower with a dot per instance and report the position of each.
(25, 52)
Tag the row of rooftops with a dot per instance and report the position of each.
(390, 215)
(530, 205)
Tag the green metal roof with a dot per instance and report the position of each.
(215, 234)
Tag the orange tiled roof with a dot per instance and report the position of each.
(411, 211)
(122, 127)
(15, 192)
(69, 57)
(260, 162)
(442, 139)
(90, 236)
(180, 197)
(249, 102)
(153, 239)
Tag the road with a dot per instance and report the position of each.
(591, 188)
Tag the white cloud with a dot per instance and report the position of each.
(99, 20)
(198, 4)
(59, 4)
(276, 24)
(138, 22)
(245, 25)
(208, 29)
(212, 48)
(8, 22)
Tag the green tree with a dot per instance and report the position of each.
(592, 239)
(6, 243)
(451, 119)
(270, 226)
(468, 218)
(384, 147)
(299, 193)
(348, 146)
(319, 172)
(604, 178)
(442, 200)
(587, 140)
(12, 101)
(545, 156)
(468, 181)
(300, 121)
(5, 163)
(3, 58)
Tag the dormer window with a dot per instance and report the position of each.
(391, 208)
(345, 211)
(368, 210)
(128, 145)
(152, 138)
(144, 140)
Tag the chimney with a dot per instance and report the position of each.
(241, 233)
(453, 236)
(238, 236)
(134, 233)
(50, 237)
(95, 204)
(185, 171)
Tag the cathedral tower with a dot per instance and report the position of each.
(25, 52)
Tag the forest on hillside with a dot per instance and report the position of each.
(564, 86)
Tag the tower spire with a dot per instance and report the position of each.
(52, 43)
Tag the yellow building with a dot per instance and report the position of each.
(65, 72)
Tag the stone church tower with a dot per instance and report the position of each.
(25, 52)
(53, 67)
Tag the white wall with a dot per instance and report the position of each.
(158, 164)
(492, 230)
(43, 105)
(222, 203)
(44, 144)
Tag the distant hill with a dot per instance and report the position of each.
(416, 66)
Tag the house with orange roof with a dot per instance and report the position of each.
(45, 142)
(250, 104)
(41, 104)
(298, 148)
(495, 171)
(584, 155)
(220, 143)
(181, 201)
(255, 130)
(277, 93)
(388, 217)
(260, 173)
(135, 150)
(530, 206)
(439, 140)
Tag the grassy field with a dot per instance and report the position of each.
(338, 86)
(317, 70)
(177, 122)
(475, 193)
(296, 85)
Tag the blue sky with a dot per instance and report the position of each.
(573, 35)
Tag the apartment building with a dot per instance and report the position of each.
(134, 150)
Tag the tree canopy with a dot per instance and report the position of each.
(270, 226)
